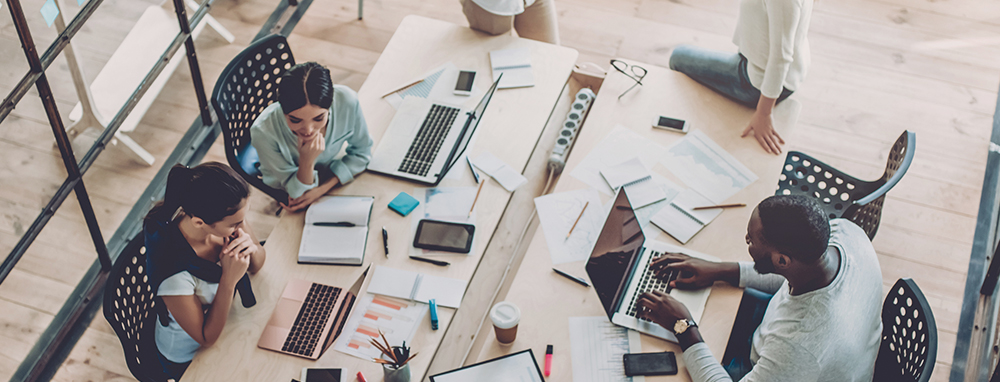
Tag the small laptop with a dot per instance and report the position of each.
(308, 318)
(425, 139)
(619, 268)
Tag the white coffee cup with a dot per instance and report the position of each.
(505, 316)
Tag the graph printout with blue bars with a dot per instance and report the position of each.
(423, 89)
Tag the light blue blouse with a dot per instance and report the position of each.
(277, 146)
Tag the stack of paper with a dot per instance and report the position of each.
(336, 230)
(637, 180)
(515, 65)
(680, 220)
(509, 178)
(417, 286)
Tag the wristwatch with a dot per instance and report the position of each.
(682, 325)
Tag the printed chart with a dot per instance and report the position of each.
(398, 320)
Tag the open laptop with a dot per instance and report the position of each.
(619, 269)
(425, 139)
(308, 318)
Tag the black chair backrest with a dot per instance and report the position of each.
(909, 336)
(128, 307)
(246, 86)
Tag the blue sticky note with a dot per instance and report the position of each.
(80, 2)
(49, 12)
(403, 203)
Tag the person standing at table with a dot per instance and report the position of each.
(823, 322)
(771, 63)
(299, 137)
(199, 249)
(534, 19)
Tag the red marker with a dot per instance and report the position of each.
(548, 360)
(361, 377)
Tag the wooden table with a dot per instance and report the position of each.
(509, 130)
(547, 300)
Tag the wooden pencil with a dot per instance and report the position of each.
(477, 196)
(404, 87)
(577, 219)
(719, 206)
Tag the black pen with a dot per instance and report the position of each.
(435, 262)
(571, 277)
(385, 241)
(334, 224)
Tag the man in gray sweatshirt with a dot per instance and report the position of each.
(823, 322)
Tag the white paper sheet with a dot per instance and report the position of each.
(598, 349)
(520, 367)
(618, 146)
(438, 86)
(644, 214)
(509, 178)
(450, 204)
(398, 319)
(704, 166)
(557, 212)
(417, 286)
(680, 220)
(515, 65)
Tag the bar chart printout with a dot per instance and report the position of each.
(398, 319)
(599, 348)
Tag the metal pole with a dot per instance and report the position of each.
(192, 58)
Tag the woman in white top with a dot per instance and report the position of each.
(198, 232)
(534, 19)
(772, 61)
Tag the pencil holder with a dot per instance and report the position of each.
(393, 374)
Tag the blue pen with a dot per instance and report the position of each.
(434, 314)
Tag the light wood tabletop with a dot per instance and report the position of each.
(547, 300)
(509, 129)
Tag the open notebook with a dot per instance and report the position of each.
(336, 230)
(637, 180)
(515, 65)
(681, 220)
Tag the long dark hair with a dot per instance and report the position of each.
(210, 191)
(305, 84)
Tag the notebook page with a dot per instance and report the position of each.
(515, 65)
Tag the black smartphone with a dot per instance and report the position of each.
(464, 84)
(310, 374)
(664, 363)
(444, 236)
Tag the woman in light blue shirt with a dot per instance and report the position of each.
(299, 137)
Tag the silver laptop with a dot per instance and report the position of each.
(425, 139)
(619, 269)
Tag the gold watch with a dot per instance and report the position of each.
(682, 325)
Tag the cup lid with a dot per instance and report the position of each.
(505, 315)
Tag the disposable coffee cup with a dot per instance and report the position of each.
(505, 317)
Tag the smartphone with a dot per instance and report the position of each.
(672, 124)
(664, 363)
(313, 374)
(444, 236)
(463, 86)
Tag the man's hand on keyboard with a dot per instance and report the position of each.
(695, 273)
(662, 309)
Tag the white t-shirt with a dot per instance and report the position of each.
(772, 36)
(504, 7)
(173, 342)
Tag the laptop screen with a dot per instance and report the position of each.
(470, 127)
(615, 253)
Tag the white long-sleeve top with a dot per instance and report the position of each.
(772, 36)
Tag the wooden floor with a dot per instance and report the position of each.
(879, 67)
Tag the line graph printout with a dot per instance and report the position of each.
(598, 349)
(557, 212)
(704, 166)
(398, 319)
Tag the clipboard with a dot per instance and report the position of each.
(510, 367)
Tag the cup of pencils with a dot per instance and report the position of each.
(395, 359)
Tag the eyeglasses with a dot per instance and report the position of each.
(638, 73)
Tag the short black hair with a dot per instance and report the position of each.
(305, 84)
(795, 225)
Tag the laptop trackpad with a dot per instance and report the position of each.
(285, 313)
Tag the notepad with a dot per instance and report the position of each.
(417, 286)
(638, 182)
(680, 220)
(515, 65)
(344, 237)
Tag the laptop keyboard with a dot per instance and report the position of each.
(650, 282)
(308, 327)
(429, 140)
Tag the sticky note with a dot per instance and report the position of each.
(49, 12)
(80, 2)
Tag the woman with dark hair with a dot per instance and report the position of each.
(199, 250)
(298, 137)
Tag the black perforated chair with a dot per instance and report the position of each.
(909, 336)
(842, 195)
(247, 86)
(128, 307)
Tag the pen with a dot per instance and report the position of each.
(361, 377)
(475, 174)
(577, 219)
(385, 241)
(720, 206)
(426, 260)
(333, 224)
(434, 314)
(548, 360)
(571, 277)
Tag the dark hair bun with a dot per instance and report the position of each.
(305, 84)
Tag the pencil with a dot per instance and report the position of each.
(720, 206)
(477, 197)
(577, 219)
(404, 87)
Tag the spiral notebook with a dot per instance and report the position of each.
(636, 179)
(515, 65)
(336, 230)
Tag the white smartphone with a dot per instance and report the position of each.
(319, 374)
(463, 86)
(672, 124)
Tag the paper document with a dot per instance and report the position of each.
(619, 145)
(336, 230)
(680, 220)
(558, 212)
(645, 214)
(417, 286)
(704, 166)
(637, 181)
(599, 348)
(515, 65)
(517, 367)
(509, 178)
(397, 319)
(449, 204)
(438, 85)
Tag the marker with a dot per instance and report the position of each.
(361, 377)
(334, 224)
(385, 241)
(548, 360)
(475, 174)
(434, 314)
(571, 277)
